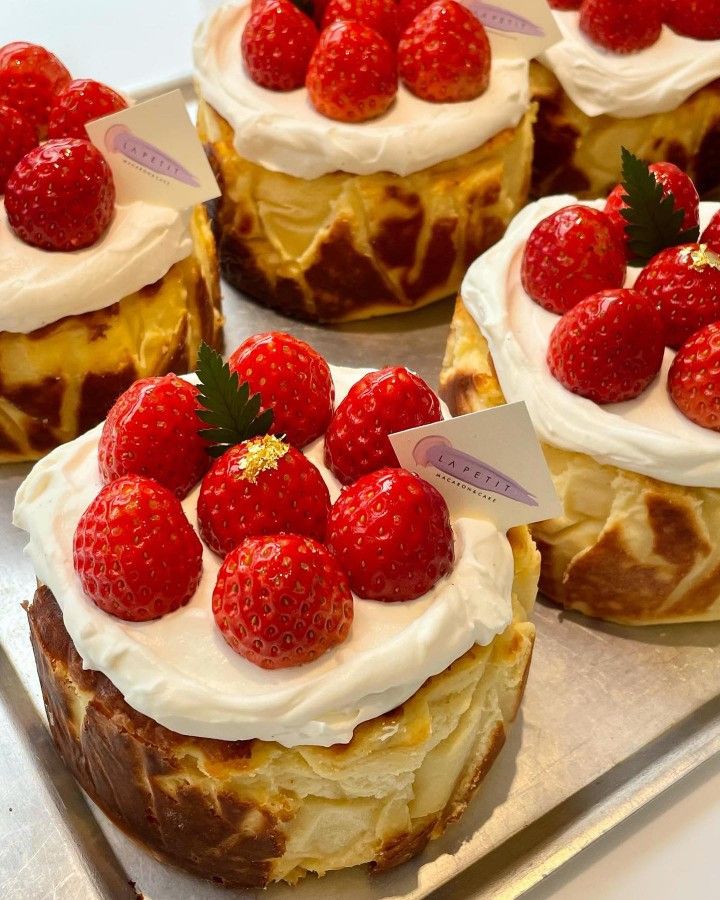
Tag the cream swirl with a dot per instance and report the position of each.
(283, 132)
(648, 435)
(654, 80)
(179, 671)
(38, 287)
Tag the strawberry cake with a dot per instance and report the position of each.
(256, 671)
(644, 75)
(349, 197)
(93, 293)
(619, 368)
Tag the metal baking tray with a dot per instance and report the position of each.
(611, 717)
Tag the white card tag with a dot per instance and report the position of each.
(517, 27)
(154, 153)
(486, 464)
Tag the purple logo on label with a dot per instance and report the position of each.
(119, 139)
(439, 452)
(504, 20)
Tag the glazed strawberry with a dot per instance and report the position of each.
(571, 254)
(262, 486)
(390, 532)
(61, 195)
(407, 10)
(29, 78)
(152, 430)
(699, 19)
(711, 235)
(684, 284)
(381, 403)
(282, 601)
(620, 26)
(444, 54)
(17, 137)
(565, 4)
(352, 76)
(79, 103)
(292, 378)
(674, 181)
(380, 15)
(608, 347)
(694, 377)
(135, 553)
(277, 43)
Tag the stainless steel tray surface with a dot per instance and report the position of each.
(611, 717)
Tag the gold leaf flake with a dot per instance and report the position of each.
(262, 453)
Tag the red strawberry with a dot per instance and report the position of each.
(381, 403)
(277, 43)
(674, 181)
(135, 553)
(282, 601)
(29, 77)
(620, 26)
(684, 284)
(152, 430)
(79, 103)
(694, 377)
(352, 75)
(390, 532)
(262, 486)
(408, 9)
(17, 137)
(608, 347)
(571, 254)
(61, 195)
(380, 15)
(711, 235)
(565, 4)
(444, 54)
(698, 19)
(292, 378)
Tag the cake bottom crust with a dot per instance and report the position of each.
(60, 380)
(246, 813)
(580, 154)
(628, 548)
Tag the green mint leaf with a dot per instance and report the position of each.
(653, 222)
(233, 414)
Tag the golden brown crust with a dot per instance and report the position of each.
(627, 548)
(346, 246)
(60, 380)
(246, 813)
(579, 154)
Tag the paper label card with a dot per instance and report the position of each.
(486, 464)
(517, 27)
(155, 154)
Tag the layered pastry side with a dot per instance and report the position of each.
(662, 103)
(78, 327)
(247, 775)
(639, 482)
(331, 220)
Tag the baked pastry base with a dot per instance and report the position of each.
(627, 548)
(246, 813)
(60, 380)
(343, 246)
(578, 154)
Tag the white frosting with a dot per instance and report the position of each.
(627, 85)
(179, 671)
(40, 286)
(284, 133)
(648, 435)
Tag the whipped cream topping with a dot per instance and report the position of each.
(38, 287)
(654, 80)
(179, 671)
(281, 131)
(648, 435)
